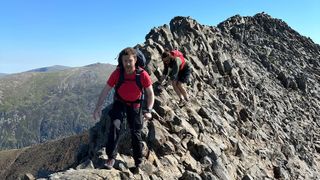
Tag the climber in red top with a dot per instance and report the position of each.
(128, 93)
(179, 72)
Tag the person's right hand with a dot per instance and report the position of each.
(161, 79)
(159, 88)
(147, 116)
(97, 113)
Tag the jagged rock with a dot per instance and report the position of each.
(208, 176)
(220, 170)
(301, 81)
(277, 172)
(189, 175)
(244, 115)
(28, 176)
(190, 163)
(86, 165)
(240, 150)
(204, 113)
(227, 66)
(89, 174)
(199, 149)
(247, 177)
(157, 137)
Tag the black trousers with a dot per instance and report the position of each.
(134, 119)
(184, 74)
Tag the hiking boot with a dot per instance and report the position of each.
(109, 163)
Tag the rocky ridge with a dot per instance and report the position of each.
(254, 103)
(253, 113)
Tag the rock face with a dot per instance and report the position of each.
(254, 109)
(253, 113)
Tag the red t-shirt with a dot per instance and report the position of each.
(129, 90)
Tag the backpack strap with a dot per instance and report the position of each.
(138, 78)
(183, 62)
(120, 80)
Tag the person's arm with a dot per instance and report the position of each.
(102, 97)
(165, 70)
(164, 74)
(150, 102)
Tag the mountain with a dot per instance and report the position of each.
(2, 74)
(40, 106)
(50, 69)
(253, 111)
(44, 69)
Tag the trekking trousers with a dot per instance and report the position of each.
(134, 118)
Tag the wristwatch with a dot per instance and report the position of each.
(147, 110)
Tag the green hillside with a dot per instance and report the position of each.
(40, 106)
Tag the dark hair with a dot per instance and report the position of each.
(128, 51)
(124, 52)
(165, 53)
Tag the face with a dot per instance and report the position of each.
(166, 60)
(129, 62)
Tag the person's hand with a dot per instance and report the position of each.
(97, 113)
(161, 79)
(147, 115)
(159, 88)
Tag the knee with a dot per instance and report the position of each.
(179, 84)
(117, 123)
(174, 83)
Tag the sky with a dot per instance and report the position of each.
(42, 33)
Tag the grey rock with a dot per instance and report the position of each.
(189, 175)
(220, 171)
(28, 176)
(208, 176)
(247, 177)
(86, 165)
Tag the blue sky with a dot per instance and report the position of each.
(40, 33)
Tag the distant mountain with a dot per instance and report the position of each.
(50, 69)
(40, 106)
(2, 74)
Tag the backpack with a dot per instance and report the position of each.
(140, 65)
(179, 54)
(141, 59)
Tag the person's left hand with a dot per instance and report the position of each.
(147, 115)
(162, 78)
(97, 113)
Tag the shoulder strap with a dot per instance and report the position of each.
(183, 62)
(139, 84)
(120, 80)
(138, 78)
